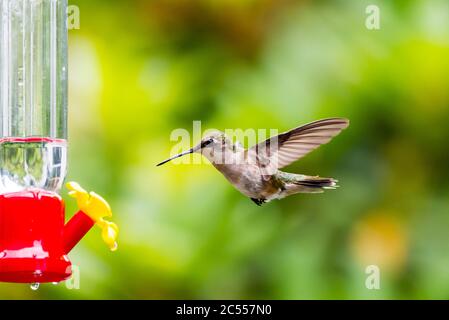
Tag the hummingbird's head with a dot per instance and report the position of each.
(213, 146)
(214, 139)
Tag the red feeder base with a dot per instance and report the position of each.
(32, 270)
(31, 237)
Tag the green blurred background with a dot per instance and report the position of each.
(139, 69)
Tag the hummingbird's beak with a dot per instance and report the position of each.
(177, 156)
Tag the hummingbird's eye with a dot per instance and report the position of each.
(207, 142)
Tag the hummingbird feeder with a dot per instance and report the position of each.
(34, 238)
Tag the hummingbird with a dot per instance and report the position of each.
(255, 171)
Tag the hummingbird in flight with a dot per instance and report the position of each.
(255, 171)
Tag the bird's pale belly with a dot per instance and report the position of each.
(250, 182)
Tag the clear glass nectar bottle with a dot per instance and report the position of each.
(33, 94)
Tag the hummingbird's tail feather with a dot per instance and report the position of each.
(317, 182)
(298, 183)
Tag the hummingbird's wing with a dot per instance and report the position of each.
(280, 151)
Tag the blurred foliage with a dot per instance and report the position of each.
(139, 69)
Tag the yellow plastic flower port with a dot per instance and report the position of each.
(96, 208)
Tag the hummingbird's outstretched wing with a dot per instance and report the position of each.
(280, 151)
